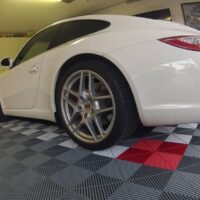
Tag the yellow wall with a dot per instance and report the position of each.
(147, 6)
(10, 47)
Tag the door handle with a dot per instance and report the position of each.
(34, 69)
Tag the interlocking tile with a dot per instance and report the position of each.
(93, 162)
(69, 144)
(196, 133)
(193, 151)
(72, 195)
(40, 147)
(7, 162)
(8, 193)
(71, 176)
(135, 192)
(98, 187)
(164, 129)
(135, 155)
(151, 177)
(168, 195)
(26, 179)
(184, 131)
(164, 160)
(7, 145)
(119, 169)
(15, 149)
(30, 131)
(73, 155)
(184, 184)
(147, 145)
(112, 152)
(173, 148)
(35, 160)
(51, 167)
(47, 136)
(188, 126)
(45, 190)
(190, 164)
(24, 154)
(32, 142)
(55, 151)
(3, 155)
(179, 138)
(12, 171)
(195, 140)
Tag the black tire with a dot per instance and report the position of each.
(3, 118)
(126, 120)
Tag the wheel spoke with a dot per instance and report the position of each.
(73, 117)
(72, 104)
(90, 84)
(104, 110)
(103, 97)
(78, 126)
(99, 126)
(71, 92)
(90, 127)
(82, 84)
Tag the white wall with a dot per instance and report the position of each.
(147, 6)
(9, 47)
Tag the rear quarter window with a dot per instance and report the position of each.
(75, 29)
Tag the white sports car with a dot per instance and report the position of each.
(100, 76)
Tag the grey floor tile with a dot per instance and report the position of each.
(98, 187)
(15, 149)
(93, 162)
(71, 176)
(131, 191)
(26, 179)
(24, 154)
(73, 155)
(184, 184)
(151, 177)
(51, 167)
(45, 190)
(35, 160)
(119, 169)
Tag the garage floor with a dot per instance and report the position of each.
(38, 161)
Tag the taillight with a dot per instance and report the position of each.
(191, 42)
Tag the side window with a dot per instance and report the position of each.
(37, 45)
(76, 29)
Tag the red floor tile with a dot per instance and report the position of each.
(147, 145)
(164, 160)
(135, 155)
(173, 148)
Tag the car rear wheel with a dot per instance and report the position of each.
(95, 105)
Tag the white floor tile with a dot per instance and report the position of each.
(17, 128)
(189, 126)
(29, 132)
(178, 138)
(51, 129)
(69, 144)
(164, 129)
(47, 136)
(112, 152)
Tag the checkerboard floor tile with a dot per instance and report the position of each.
(39, 161)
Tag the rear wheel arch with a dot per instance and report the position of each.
(83, 57)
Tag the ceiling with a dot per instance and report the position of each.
(18, 16)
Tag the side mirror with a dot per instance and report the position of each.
(7, 62)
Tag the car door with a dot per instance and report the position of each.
(20, 84)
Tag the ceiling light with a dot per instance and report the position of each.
(68, 1)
